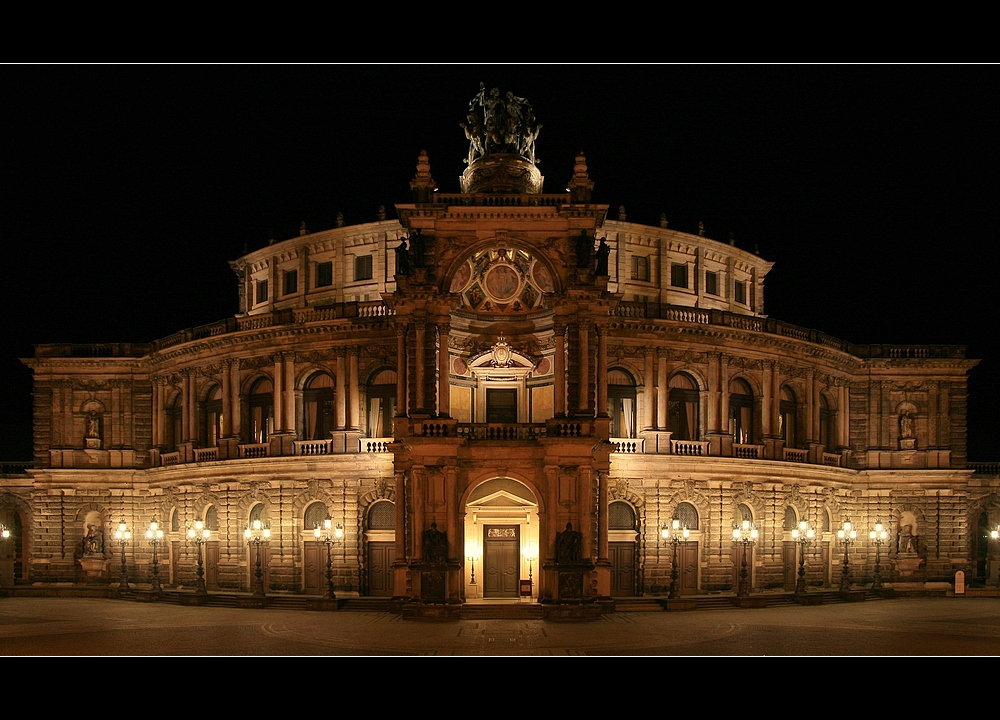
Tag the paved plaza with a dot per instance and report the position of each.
(918, 626)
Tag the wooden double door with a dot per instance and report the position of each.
(501, 561)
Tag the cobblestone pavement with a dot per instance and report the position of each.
(920, 626)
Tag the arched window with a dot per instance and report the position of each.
(741, 412)
(791, 518)
(826, 520)
(688, 515)
(787, 417)
(621, 403)
(621, 516)
(683, 407)
(212, 417)
(175, 520)
(258, 512)
(212, 518)
(317, 399)
(826, 429)
(172, 416)
(261, 402)
(382, 515)
(381, 403)
(316, 513)
(743, 512)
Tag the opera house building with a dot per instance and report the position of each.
(504, 393)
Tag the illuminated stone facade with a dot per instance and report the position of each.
(498, 363)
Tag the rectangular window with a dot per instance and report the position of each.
(679, 275)
(363, 267)
(640, 268)
(324, 274)
(291, 282)
(261, 291)
(711, 283)
(740, 292)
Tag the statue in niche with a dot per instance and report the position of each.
(906, 425)
(584, 247)
(93, 424)
(569, 545)
(402, 259)
(906, 540)
(603, 251)
(435, 545)
(93, 541)
(418, 244)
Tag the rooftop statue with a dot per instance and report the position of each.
(508, 125)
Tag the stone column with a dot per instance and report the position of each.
(353, 407)
(289, 383)
(650, 392)
(157, 412)
(235, 418)
(559, 371)
(340, 389)
(227, 399)
(400, 518)
(714, 379)
(602, 516)
(444, 371)
(768, 401)
(401, 370)
(418, 370)
(583, 362)
(724, 395)
(279, 389)
(189, 421)
(662, 395)
(602, 371)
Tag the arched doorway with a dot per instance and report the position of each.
(380, 535)
(982, 548)
(313, 551)
(501, 534)
(622, 553)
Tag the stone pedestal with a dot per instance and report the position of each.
(433, 587)
(94, 567)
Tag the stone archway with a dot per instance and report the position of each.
(501, 541)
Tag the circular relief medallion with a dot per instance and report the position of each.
(502, 282)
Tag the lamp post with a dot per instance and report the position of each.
(472, 553)
(331, 535)
(256, 535)
(154, 534)
(846, 536)
(744, 535)
(803, 535)
(878, 536)
(199, 535)
(531, 554)
(995, 534)
(673, 533)
(122, 536)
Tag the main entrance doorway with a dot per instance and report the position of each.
(501, 561)
(501, 541)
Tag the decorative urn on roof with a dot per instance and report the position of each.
(501, 133)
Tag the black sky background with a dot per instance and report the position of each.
(126, 189)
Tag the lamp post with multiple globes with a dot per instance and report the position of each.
(878, 535)
(154, 535)
(744, 535)
(995, 534)
(199, 535)
(846, 536)
(122, 536)
(530, 553)
(674, 534)
(327, 532)
(803, 534)
(257, 534)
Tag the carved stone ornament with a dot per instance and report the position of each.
(502, 354)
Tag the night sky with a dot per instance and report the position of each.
(126, 189)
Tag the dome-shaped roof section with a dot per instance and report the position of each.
(501, 132)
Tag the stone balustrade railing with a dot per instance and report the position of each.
(795, 455)
(831, 459)
(15, 468)
(689, 448)
(748, 452)
(206, 454)
(170, 458)
(312, 447)
(254, 450)
(501, 431)
(627, 445)
(375, 445)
